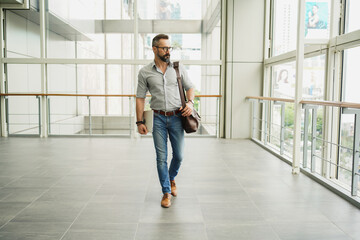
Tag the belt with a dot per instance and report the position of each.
(167, 114)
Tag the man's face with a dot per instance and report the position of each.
(160, 52)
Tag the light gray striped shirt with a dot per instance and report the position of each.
(162, 87)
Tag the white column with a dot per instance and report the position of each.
(223, 70)
(4, 132)
(298, 87)
(136, 67)
(43, 110)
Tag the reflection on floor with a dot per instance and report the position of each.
(107, 188)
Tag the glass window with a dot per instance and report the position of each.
(351, 84)
(283, 80)
(317, 19)
(314, 78)
(284, 26)
(22, 35)
(71, 31)
(350, 93)
(119, 9)
(170, 9)
(352, 16)
(185, 46)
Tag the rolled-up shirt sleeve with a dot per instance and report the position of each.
(186, 82)
(141, 87)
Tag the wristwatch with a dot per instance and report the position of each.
(140, 122)
(192, 101)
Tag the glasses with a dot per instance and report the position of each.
(165, 49)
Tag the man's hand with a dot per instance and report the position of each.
(142, 129)
(187, 111)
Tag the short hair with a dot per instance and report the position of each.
(157, 38)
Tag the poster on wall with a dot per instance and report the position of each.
(316, 19)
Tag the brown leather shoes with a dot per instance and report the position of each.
(173, 188)
(166, 200)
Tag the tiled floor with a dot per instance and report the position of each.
(107, 188)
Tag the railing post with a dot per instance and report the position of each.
(306, 136)
(282, 130)
(313, 138)
(48, 110)
(266, 122)
(39, 106)
(89, 101)
(253, 132)
(217, 115)
(130, 109)
(7, 115)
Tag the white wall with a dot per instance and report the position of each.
(244, 63)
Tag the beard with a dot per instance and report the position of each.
(165, 58)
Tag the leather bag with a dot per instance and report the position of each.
(190, 123)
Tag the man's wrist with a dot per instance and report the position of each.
(140, 122)
(192, 101)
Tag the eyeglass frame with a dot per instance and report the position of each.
(163, 48)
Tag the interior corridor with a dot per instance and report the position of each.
(107, 188)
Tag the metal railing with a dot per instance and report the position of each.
(309, 107)
(91, 123)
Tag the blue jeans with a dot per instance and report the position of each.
(164, 126)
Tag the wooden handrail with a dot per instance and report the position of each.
(332, 104)
(87, 95)
(319, 103)
(271, 99)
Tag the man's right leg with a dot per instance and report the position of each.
(160, 142)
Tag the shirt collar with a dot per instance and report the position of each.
(170, 64)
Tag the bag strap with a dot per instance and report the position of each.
(181, 89)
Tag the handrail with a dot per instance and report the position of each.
(332, 104)
(272, 99)
(86, 95)
(320, 103)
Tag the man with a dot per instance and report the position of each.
(159, 77)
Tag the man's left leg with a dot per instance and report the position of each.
(176, 135)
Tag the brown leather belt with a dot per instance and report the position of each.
(167, 114)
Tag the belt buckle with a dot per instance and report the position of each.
(166, 114)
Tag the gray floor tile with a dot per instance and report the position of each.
(21, 194)
(110, 213)
(34, 182)
(35, 227)
(29, 236)
(107, 231)
(256, 231)
(235, 212)
(181, 211)
(309, 231)
(175, 231)
(41, 211)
